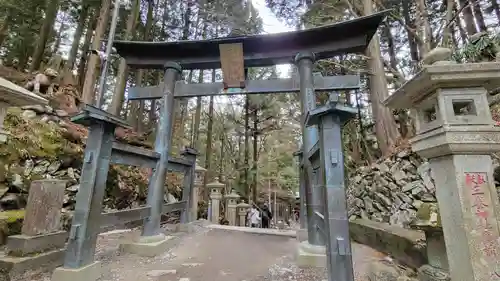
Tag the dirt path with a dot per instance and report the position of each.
(214, 255)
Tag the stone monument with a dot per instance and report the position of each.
(215, 197)
(41, 242)
(455, 132)
(231, 204)
(14, 95)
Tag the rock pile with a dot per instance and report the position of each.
(391, 190)
(46, 144)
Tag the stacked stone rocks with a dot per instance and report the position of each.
(391, 190)
(126, 187)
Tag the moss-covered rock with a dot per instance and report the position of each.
(34, 138)
(11, 223)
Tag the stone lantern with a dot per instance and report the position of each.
(231, 201)
(199, 176)
(429, 221)
(242, 212)
(215, 197)
(14, 95)
(456, 133)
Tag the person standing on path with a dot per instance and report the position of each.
(254, 217)
(266, 216)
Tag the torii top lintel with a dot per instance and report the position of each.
(351, 36)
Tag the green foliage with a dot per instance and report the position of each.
(483, 49)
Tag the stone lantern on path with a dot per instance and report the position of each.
(199, 176)
(215, 197)
(455, 132)
(242, 212)
(231, 204)
(14, 95)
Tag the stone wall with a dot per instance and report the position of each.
(392, 189)
(46, 144)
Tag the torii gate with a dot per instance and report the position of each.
(234, 56)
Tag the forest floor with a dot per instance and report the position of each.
(213, 255)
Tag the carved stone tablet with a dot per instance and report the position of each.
(43, 212)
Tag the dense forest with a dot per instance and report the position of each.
(244, 141)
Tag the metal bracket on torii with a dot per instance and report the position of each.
(290, 85)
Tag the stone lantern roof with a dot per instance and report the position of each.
(232, 195)
(242, 204)
(198, 168)
(215, 184)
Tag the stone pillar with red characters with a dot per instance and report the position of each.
(455, 131)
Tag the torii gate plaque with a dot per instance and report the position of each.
(235, 54)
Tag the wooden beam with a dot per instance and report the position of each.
(290, 85)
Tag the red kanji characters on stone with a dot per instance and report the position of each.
(489, 248)
(470, 179)
(479, 203)
(474, 178)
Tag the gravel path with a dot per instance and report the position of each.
(214, 255)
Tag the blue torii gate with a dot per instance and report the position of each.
(235, 55)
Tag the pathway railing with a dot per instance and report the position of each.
(100, 152)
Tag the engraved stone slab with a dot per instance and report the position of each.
(484, 230)
(43, 212)
(23, 245)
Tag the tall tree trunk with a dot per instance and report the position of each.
(134, 118)
(470, 26)
(385, 125)
(48, 23)
(478, 15)
(88, 92)
(197, 117)
(448, 28)
(221, 160)
(82, 18)
(208, 149)
(82, 65)
(147, 34)
(391, 49)
(424, 27)
(237, 161)
(247, 148)
(180, 117)
(494, 6)
(458, 25)
(411, 38)
(4, 29)
(255, 153)
(181, 104)
(62, 27)
(122, 75)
